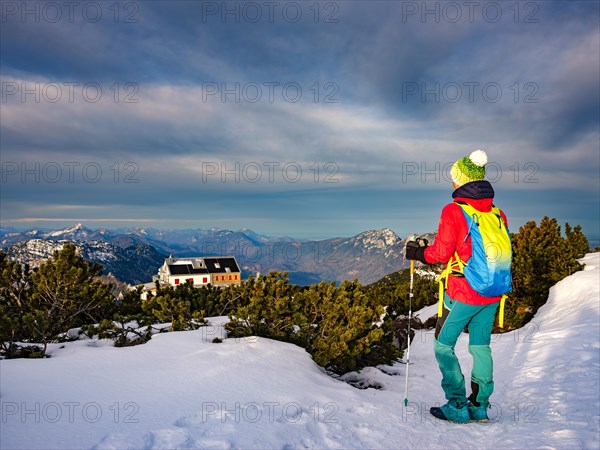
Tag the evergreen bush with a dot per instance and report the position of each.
(541, 258)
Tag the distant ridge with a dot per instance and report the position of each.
(134, 264)
(368, 256)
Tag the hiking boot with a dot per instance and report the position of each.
(451, 413)
(478, 413)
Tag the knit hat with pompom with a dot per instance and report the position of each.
(470, 168)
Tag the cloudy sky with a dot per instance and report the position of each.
(308, 119)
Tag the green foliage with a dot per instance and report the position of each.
(577, 241)
(184, 306)
(65, 295)
(264, 307)
(130, 305)
(13, 350)
(15, 292)
(173, 308)
(541, 258)
(130, 324)
(206, 299)
(336, 325)
(60, 294)
(124, 334)
(346, 331)
(393, 292)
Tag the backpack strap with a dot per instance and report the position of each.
(454, 267)
(501, 224)
(443, 284)
(501, 313)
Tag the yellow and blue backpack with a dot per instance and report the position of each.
(488, 269)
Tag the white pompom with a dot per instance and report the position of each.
(479, 158)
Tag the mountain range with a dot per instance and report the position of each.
(134, 264)
(133, 256)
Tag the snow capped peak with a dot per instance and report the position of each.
(377, 238)
(136, 231)
(75, 229)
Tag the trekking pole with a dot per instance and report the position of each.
(410, 297)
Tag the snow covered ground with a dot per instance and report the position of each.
(180, 390)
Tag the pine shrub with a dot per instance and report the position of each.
(62, 293)
(337, 325)
(541, 258)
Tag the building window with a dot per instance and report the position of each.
(191, 280)
(176, 280)
(204, 280)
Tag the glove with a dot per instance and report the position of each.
(416, 250)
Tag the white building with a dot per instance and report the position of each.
(199, 271)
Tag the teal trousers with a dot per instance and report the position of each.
(479, 320)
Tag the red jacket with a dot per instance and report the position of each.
(451, 237)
